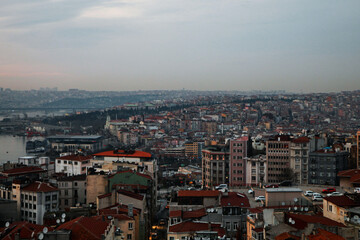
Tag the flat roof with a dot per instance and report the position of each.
(92, 137)
(283, 189)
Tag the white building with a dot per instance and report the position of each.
(36, 199)
(73, 164)
(256, 170)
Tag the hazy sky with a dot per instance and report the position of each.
(295, 45)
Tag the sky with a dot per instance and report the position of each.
(292, 45)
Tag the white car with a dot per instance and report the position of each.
(260, 198)
(309, 193)
(317, 197)
(334, 194)
(221, 186)
(250, 191)
(357, 190)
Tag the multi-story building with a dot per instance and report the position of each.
(238, 153)
(256, 170)
(72, 191)
(193, 149)
(325, 164)
(277, 157)
(358, 149)
(64, 143)
(73, 164)
(215, 166)
(35, 200)
(299, 158)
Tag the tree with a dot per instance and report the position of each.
(287, 174)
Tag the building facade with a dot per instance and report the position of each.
(256, 170)
(299, 159)
(277, 157)
(238, 153)
(215, 166)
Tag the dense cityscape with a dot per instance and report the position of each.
(179, 165)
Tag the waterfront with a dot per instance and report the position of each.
(12, 147)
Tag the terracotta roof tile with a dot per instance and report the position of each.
(121, 153)
(235, 199)
(39, 187)
(22, 171)
(301, 219)
(189, 226)
(85, 228)
(342, 201)
(25, 229)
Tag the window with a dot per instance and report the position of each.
(34, 206)
(129, 236)
(30, 198)
(54, 197)
(235, 226)
(66, 202)
(59, 161)
(171, 238)
(65, 162)
(26, 205)
(22, 196)
(34, 198)
(329, 208)
(66, 192)
(75, 183)
(26, 197)
(228, 226)
(47, 207)
(130, 226)
(34, 215)
(47, 198)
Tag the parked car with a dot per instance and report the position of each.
(308, 193)
(357, 190)
(317, 197)
(334, 194)
(259, 198)
(221, 186)
(328, 190)
(271, 186)
(250, 191)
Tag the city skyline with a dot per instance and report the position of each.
(298, 46)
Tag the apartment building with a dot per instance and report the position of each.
(215, 166)
(238, 153)
(277, 157)
(35, 200)
(73, 164)
(299, 159)
(256, 170)
(72, 191)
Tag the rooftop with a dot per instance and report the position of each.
(39, 187)
(122, 153)
(200, 193)
(282, 189)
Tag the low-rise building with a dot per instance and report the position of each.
(72, 191)
(73, 164)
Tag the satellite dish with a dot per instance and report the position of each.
(306, 209)
(293, 222)
(63, 220)
(302, 209)
(63, 215)
(295, 199)
(283, 203)
(41, 236)
(348, 219)
(289, 208)
(295, 208)
(45, 230)
(57, 221)
(7, 224)
(290, 219)
(54, 215)
(356, 217)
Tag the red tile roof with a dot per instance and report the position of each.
(348, 173)
(85, 228)
(286, 235)
(188, 226)
(130, 171)
(256, 210)
(27, 230)
(121, 153)
(78, 158)
(200, 193)
(301, 140)
(22, 171)
(235, 199)
(39, 187)
(177, 213)
(342, 201)
(325, 235)
(302, 220)
(130, 194)
(194, 214)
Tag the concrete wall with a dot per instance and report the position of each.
(95, 185)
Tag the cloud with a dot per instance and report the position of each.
(111, 12)
(19, 70)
